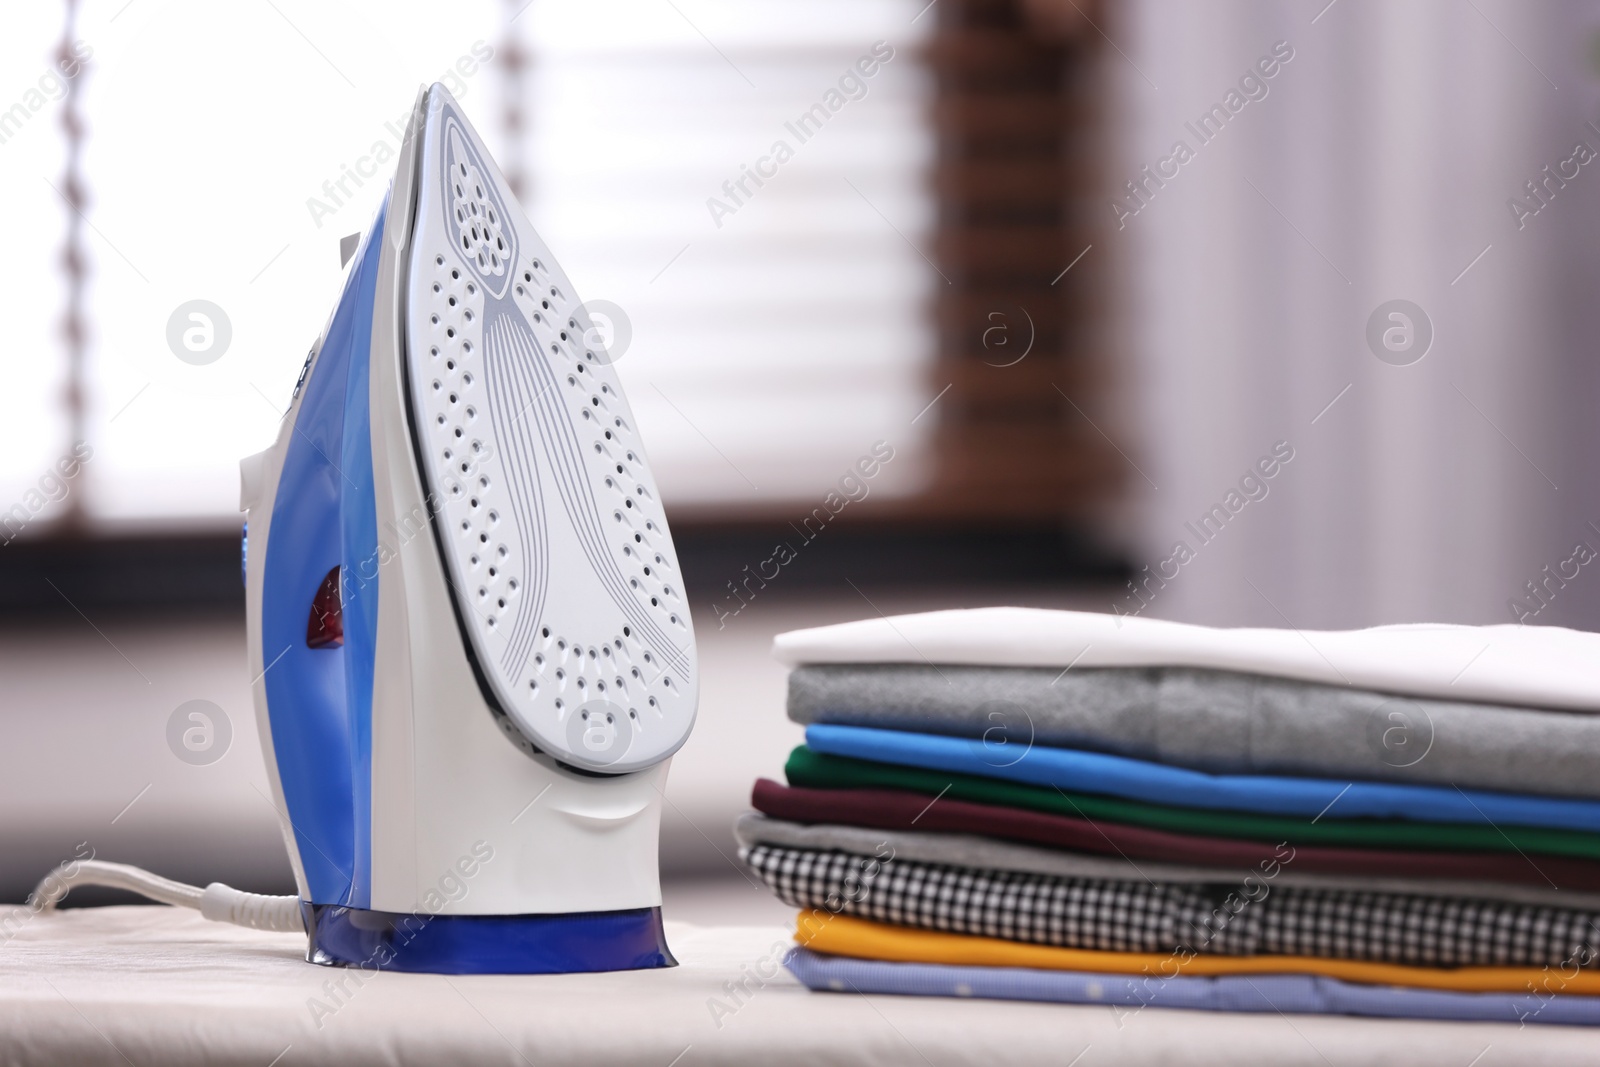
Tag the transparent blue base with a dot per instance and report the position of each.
(486, 944)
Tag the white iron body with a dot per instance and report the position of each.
(532, 665)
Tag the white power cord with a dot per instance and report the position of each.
(217, 902)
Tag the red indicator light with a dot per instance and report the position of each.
(325, 627)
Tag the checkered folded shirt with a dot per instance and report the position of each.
(1216, 918)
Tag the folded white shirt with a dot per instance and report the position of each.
(1511, 664)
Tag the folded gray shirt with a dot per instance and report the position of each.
(1217, 721)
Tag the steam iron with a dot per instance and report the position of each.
(473, 658)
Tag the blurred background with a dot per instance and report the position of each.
(1083, 265)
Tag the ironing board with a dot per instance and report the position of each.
(161, 986)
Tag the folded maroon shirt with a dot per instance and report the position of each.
(891, 809)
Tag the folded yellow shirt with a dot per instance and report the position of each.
(842, 935)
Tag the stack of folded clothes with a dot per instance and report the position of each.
(1080, 808)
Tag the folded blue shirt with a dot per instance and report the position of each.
(1298, 993)
(1157, 783)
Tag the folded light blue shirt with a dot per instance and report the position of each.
(1298, 993)
(1158, 783)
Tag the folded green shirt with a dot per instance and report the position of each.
(817, 771)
